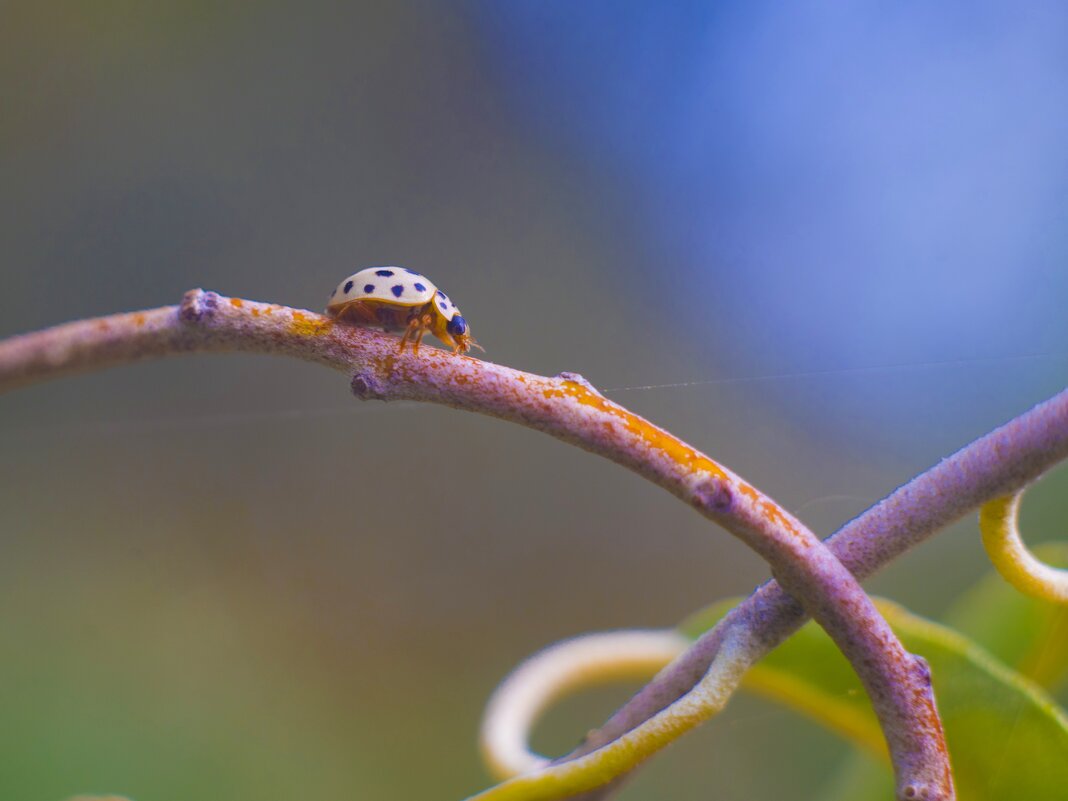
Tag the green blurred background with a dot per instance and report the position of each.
(222, 578)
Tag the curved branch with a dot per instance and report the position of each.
(999, 463)
(570, 409)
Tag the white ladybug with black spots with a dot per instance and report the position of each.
(396, 298)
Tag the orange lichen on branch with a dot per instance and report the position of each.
(684, 456)
(308, 326)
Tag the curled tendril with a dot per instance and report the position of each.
(558, 670)
(1010, 555)
(575, 664)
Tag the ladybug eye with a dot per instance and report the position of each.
(457, 326)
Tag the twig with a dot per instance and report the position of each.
(570, 409)
(998, 463)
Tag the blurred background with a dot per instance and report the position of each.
(824, 243)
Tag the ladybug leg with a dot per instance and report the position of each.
(410, 333)
(422, 325)
(418, 325)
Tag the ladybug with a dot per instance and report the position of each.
(396, 298)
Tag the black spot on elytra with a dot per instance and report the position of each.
(398, 290)
(411, 272)
(368, 288)
(348, 287)
(419, 287)
(384, 273)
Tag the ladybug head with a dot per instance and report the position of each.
(458, 329)
(457, 326)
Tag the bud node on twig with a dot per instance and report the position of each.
(197, 305)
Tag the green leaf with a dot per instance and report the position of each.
(1025, 633)
(1007, 738)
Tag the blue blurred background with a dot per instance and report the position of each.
(826, 243)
